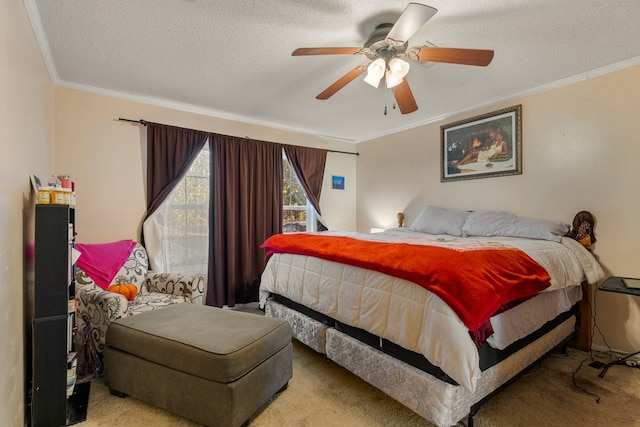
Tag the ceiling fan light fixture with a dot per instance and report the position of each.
(392, 80)
(398, 67)
(372, 80)
(375, 71)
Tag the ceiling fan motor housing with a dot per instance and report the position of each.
(376, 45)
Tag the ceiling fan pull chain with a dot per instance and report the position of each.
(386, 100)
(386, 96)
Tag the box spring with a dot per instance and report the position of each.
(313, 334)
(407, 376)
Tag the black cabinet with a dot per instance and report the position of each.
(49, 401)
(52, 324)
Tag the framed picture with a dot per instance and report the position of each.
(483, 146)
(337, 182)
(35, 183)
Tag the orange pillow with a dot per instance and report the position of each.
(127, 289)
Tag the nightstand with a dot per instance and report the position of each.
(616, 284)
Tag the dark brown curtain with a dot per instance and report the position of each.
(170, 152)
(246, 208)
(308, 164)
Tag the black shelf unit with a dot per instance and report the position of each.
(52, 324)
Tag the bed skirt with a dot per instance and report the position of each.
(308, 331)
(440, 402)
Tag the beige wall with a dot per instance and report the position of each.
(26, 144)
(105, 157)
(580, 152)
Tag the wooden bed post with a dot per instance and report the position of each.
(583, 233)
(583, 320)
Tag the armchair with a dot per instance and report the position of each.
(98, 308)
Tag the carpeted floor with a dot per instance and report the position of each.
(322, 393)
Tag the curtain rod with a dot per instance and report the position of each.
(144, 123)
(343, 152)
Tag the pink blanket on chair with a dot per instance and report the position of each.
(102, 261)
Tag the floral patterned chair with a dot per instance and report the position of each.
(97, 308)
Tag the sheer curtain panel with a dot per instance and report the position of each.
(177, 233)
(170, 152)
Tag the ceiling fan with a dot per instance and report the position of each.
(387, 48)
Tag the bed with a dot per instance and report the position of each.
(382, 305)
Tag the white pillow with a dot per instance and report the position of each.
(435, 220)
(497, 223)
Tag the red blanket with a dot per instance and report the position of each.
(474, 282)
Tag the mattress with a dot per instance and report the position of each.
(404, 313)
(523, 319)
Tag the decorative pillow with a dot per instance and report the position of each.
(498, 223)
(436, 220)
(129, 290)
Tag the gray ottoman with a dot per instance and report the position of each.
(214, 366)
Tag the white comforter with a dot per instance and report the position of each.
(403, 312)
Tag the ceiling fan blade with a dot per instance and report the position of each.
(480, 57)
(342, 82)
(404, 97)
(326, 51)
(414, 16)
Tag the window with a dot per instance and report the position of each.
(185, 233)
(297, 213)
(177, 234)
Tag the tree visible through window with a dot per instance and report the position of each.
(182, 222)
(185, 241)
(297, 213)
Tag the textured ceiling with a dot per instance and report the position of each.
(232, 59)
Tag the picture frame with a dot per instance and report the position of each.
(337, 182)
(35, 183)
(483, 146)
